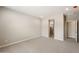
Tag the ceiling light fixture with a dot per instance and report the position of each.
(67, 9)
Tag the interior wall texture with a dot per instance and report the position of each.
(58, 26)
(15, 26)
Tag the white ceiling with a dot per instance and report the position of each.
(43, 11)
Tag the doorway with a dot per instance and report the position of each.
(51, 28)
(71, 30)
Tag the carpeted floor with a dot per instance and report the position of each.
(42, 45)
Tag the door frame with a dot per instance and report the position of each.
(49, 26)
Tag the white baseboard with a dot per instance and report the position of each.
(12, 43)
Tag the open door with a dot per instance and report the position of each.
(51, 28)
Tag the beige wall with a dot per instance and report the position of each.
(59, 26)
(44, 29)
(15, 26)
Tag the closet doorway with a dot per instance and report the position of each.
(71, 30)
(51, 28)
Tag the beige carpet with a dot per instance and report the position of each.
(42, 45)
